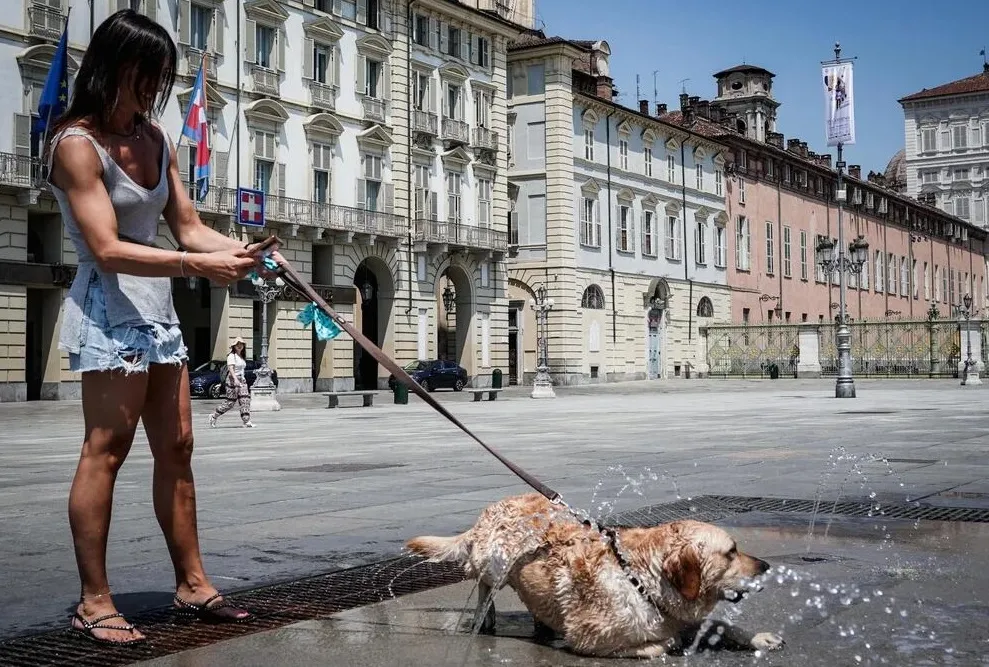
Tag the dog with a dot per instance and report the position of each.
(570, 578)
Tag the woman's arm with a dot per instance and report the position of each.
(78, 172)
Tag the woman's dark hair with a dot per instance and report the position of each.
(125, 41)
(242, 352)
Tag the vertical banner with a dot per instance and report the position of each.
(840, 113)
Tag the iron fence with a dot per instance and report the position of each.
(761, 350)
(899, 348)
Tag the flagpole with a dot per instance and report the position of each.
(48, 119)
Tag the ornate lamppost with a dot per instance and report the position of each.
(449, 306)
(263, 390)
(970, 378)
(858, 254)
(542, 387)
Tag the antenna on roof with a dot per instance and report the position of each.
(655, 87)
(638, 93)
(985, 59)
(683, 85)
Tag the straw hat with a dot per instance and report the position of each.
(237, 341)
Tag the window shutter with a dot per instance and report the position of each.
(151, 9)
(434, 207)
(217, 32)
(280, 178)
(185, 20)
(979, 214)
(280, 38)
(361, 194)
(389, 197)
(361, 74)
(434, 30)
(338, 7)
(222, 168)
(443, 37)
(597, 223)
(697, 243)
(22, 144)
(385, 83)
(307, 59)
(250, 35)
(465, 38)
(183, 158)
(336, 65)
(362, 12)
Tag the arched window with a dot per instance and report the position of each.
(593, 298)
(705, 308)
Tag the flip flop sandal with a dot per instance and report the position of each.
(221, 612)
(99, 624)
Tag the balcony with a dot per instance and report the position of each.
(460, 235)
(21, 175)
(45, 22)
(455, 131)
(265, 80)
(193, 57)
(424, 122)
(485, 138)
(323, 96)
(374, 109)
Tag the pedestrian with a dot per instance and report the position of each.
(114, 172)
(238, 393)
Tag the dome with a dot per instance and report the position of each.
(896, 171)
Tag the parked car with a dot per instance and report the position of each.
(207, 380)
(436, 374)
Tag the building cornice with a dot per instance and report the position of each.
(483, 20)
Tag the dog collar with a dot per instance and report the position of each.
(612, 537)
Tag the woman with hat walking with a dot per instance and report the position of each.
(236, 385)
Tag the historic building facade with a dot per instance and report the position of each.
(946, 151)
(619, 215)
(781, 203)
(379, 141)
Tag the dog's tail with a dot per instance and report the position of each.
(442, 549)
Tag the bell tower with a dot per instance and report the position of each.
(747, 90)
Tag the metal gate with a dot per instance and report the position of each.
(902, 348)
(752, 350)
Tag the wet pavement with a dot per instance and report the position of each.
(313, 490)
(872, 592)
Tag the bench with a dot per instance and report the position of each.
(492, 393)
(335, 396)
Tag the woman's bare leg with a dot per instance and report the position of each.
(112, 404)
(167, 420)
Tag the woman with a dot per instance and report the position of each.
(114, 172)
(236, 386)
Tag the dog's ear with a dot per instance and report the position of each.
(683, 570)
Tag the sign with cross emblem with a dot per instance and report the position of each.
(250, 207)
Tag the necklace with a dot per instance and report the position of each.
(135, 131)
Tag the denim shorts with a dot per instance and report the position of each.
(127, 347)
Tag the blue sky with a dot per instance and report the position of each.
(901, 47)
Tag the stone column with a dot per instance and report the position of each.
(971, 328)
(809, 346)
(701, 368)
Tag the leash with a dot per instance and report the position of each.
(293, 280)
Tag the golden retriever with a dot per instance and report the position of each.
(571, 581)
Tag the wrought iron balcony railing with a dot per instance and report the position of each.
(265, 80)
(455, 130)
(374, 109)
(485, 138)
(324, 96)
(460, 234)
(424, 121)
(45, 21)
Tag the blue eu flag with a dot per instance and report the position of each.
(55, 95)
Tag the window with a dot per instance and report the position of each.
(480, 50)
(705, 308)
(787, 263)
(961, 174)
(264, 161)
(929, 176)
(700, 243)
(719, 246)
(322, 58)
(420, 30)
(623, 154)
(770, 250)
(483, 202)
(535, 80)
(625, 228)
(951, 288)
(590, 223)
(928, 139)
(719, 186)
(593, 298)
(673, 238)
(454, 182)
(264, 39)
(803, 254)
(420, 91)
(200, 22)
(743, 244)
(671, 169)
(959, 137)
(962, 203)
(699, 169)
(741, 191)
(322, 161)
(647, 161)
(453, 107)
(453, 36)
(369, 189)
(913, 277)
(938, 286)
(865, 274)
(373, 83)
(649, 233)
(904, 277)
(482, 108)
(927, 282)
(589, 144)
(891, 273)
(424, 198)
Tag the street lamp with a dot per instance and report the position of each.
(971, 375)
(263, 389)
(852, 262)
(542, 387)
(449, 299)
(367, 290)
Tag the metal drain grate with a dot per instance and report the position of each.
(276, 606)
(713, 508)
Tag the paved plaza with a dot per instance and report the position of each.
(312, 490)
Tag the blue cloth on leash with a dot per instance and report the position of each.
(326, 328)
(269, 263)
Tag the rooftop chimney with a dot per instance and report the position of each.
(684, 99)
(644, 107)
(855, 171)
(775, 139)
(803, 149)
(605, 88)
(825, 160)
(704, 109)
(661, 108)
(793, 145)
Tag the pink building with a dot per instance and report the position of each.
(781, 202)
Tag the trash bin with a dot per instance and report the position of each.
(401, 393)
(496, 378)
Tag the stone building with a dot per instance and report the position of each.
(781, 203)
(946, 132)
(619, 214)
(379, 139)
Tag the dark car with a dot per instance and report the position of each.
(437, 374)
(207, 380)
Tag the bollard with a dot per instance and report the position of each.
(401, 393)
(496, 378)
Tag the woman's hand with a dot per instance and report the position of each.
(222, 267)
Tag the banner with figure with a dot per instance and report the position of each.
(840, 114)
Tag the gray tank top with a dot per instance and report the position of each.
(130, 300)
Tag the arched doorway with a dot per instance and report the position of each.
(455, 317)
(372, 312)
(657, 302)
